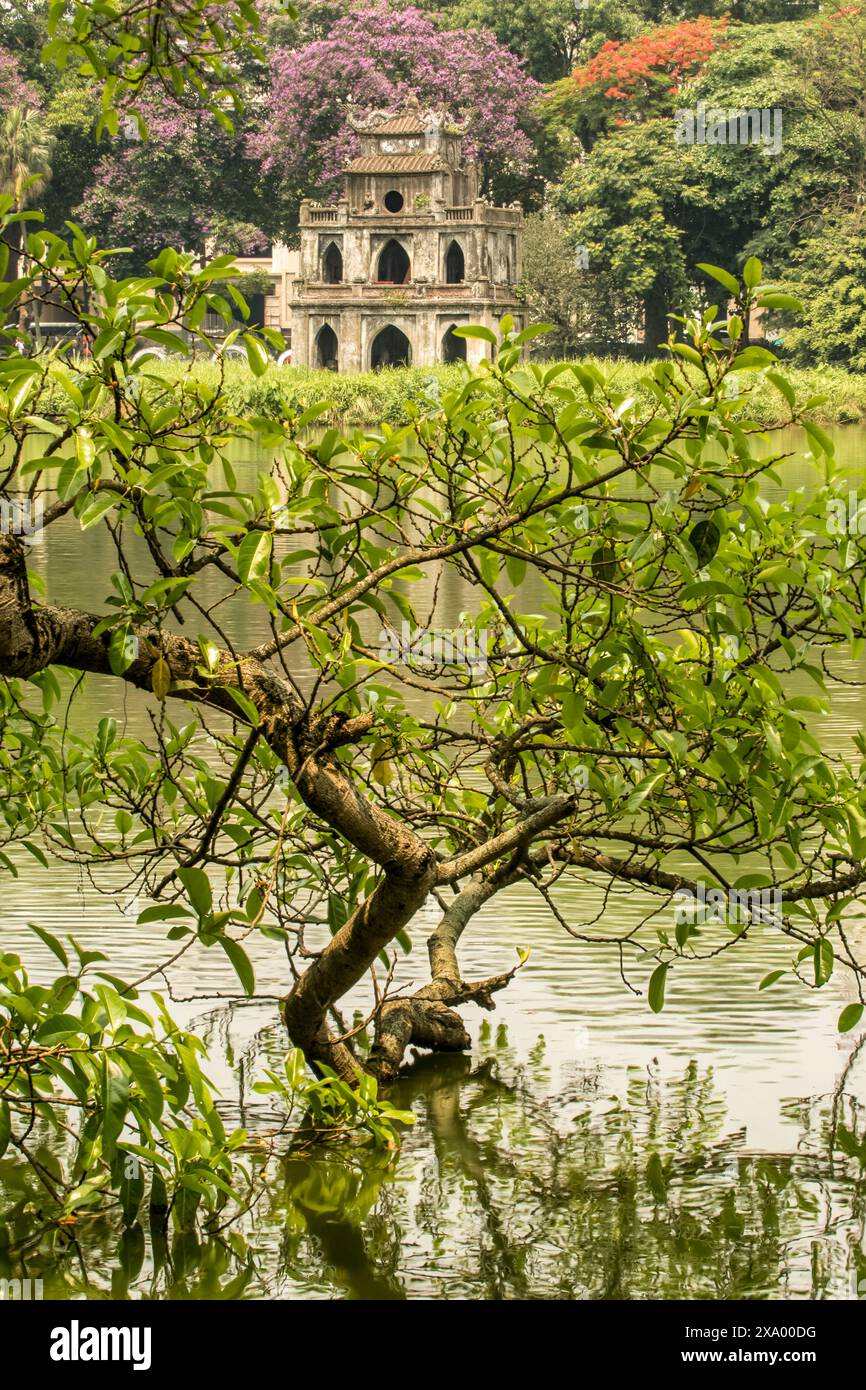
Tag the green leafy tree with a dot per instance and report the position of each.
(640, 732)
(563, 289)
(197, 54)
(634, 81)
(764, 200)
(832, 272)
(186, 181)
(655, 209)
(69, 120)
(551, 36)
(639, 204)
(25, 154)
(25, 149)
(637, 727)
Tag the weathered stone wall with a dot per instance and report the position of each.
(410, 185)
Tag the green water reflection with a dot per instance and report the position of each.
(501, 1193)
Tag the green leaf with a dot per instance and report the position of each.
(824, 960)
(689, 353)
(752, 358)
(604, 567)
(254, 556)
(146, 1079)
(771, 979)
(244, 704)
(85, 449)
(848, 1019)
(475, 330)
(819, 439)
(57, 1027)
(783, 386)
(160, 678)
(198, 889)
(704, 539)
(730, 284)
(160, 913)
(5, 1126)
(173, 341)
(535, 330)
(296, 1068)
(780, 301)
(381, 763)
(121, 650)
(657, 983)
(257, 355)
(51, 942)
(113, 1004)
(115, 1104)
(165, 591)
(241, 962)
(644, 789)
(95, 508)
(752, 272)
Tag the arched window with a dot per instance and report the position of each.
(453, 348)
(327, 348)
(394, 267)
(391, 348)
(332, 264)
(455, 265)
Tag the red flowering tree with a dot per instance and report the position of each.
(662, 59)
(637, 80)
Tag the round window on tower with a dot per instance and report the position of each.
(394, 201)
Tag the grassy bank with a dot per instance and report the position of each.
(367, 398)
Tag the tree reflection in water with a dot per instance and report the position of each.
(503, 1190)
(508, 1195)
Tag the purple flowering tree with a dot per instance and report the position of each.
(188, 181)
(14, 89)
(376, 57)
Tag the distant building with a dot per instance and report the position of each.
(273, 309)
(383, 276)
(409, 253)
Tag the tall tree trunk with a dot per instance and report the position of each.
(655, 320)
(20, 270)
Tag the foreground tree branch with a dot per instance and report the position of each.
(633, 734)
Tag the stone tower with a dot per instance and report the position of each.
(409, 253)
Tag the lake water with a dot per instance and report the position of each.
(586, 1148)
